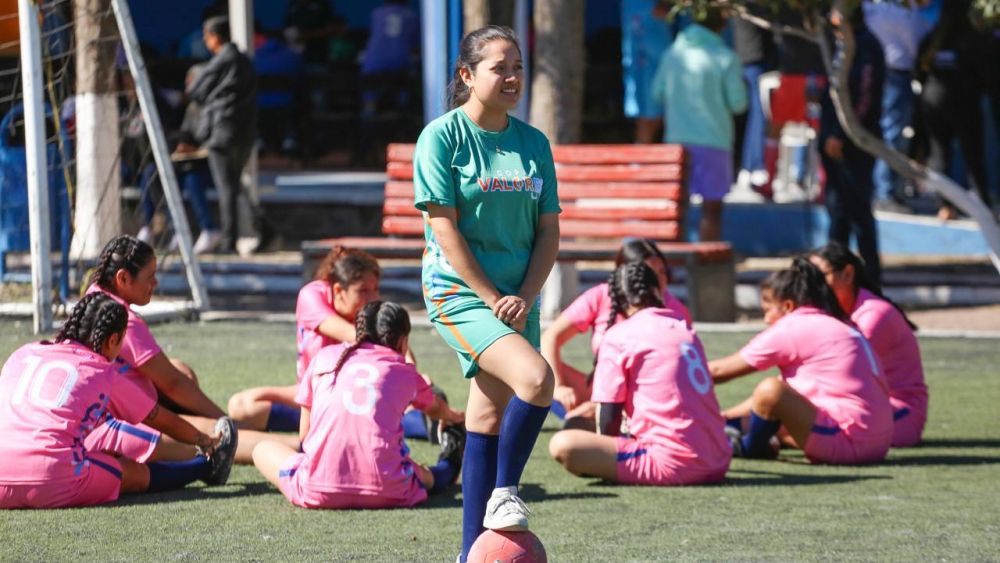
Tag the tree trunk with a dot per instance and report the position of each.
(479, 13)
(557, 85)
(98, 197)
(557, 108)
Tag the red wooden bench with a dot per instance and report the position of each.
(607, 193)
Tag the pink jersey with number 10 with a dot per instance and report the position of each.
(51, 397)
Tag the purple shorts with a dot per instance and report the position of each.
(710, 171)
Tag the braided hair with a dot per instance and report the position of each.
(640, 250)
(346, 266)
(124, 252)
(803, 284)
(470, 54)
(633, 284)
(379, 322)
(94, 319)
(838, 256)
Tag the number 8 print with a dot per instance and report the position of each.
(697, 371)
(364, 377)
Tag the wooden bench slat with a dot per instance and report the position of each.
(580, 154)
(403, 206)
(657, 230)
(568, 191)
(619, 173)
(387, 247)
(617, 154)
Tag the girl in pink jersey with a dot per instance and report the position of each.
(590, 312)
(651, 367)
(831, 398)
(126, 271)
(324, 315)
(53, 394)
(325, 311)
(353, 397)
(890, 333)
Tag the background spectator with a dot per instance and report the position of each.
(700, 82)
(899, 28)
(848, 168)
(645, 37)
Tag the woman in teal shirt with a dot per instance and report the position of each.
(486, 184)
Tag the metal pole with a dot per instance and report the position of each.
(434, 38)
(37, 177)
(522, 27)
(241, 31)
(161, 153)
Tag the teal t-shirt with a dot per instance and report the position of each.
(500, 183)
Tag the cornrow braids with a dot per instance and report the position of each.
(380, 322)
(93, 320)
(633, 285)
(123, 252)
(640, 250)
(838, 256)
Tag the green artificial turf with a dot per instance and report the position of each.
(935, 502)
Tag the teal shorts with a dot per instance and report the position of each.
(470, 327)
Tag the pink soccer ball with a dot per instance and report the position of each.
(507, 547)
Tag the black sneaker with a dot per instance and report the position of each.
(735, 440)
(452, 439)
(223, 456)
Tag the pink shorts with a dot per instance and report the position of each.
(640, 463)
(99, 483)
(908, 423)
(134, 441)
(828, 443)
(297, 491)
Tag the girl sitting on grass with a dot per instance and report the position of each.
(650, 366)
(353, 397)
(589, 311)
(890, 333)
(53, 394)
(831, 398)
(126, 272)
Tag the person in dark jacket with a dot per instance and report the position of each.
(849, 186)
(227, 91)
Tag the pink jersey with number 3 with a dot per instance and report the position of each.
(655, 365)
(51, 397)
(832, 365)
(313, 306)
(355, 440)
(591, 309)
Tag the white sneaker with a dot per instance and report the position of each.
(506, 512)
(207, 242)
(145, 234)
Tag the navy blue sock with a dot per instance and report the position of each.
(756, 440)
(479, 472)
(559, 410)
(518, 431)
(736, 423)
(283, 418)
(414, 425)
(444, 472)
(170, 475)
